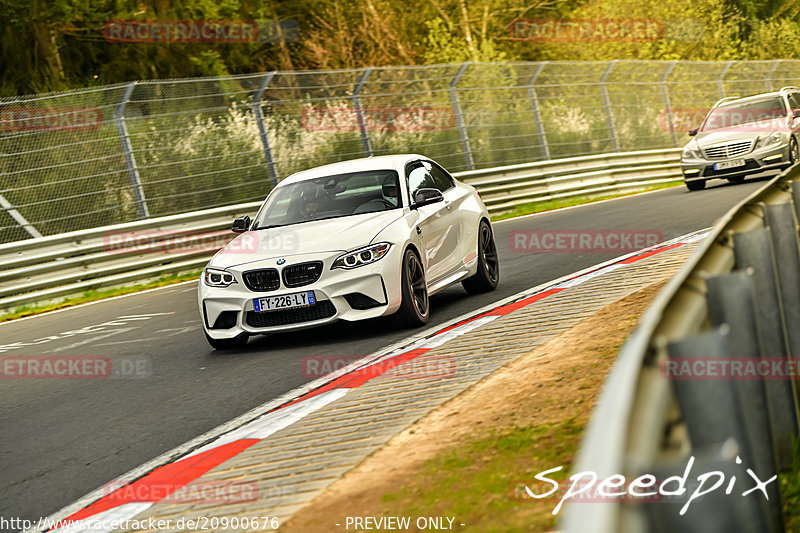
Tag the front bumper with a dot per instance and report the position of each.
(229, 311)
(764, 160)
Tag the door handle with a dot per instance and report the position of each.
(419, 231)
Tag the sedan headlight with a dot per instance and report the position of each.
(214, 277)
(692, 151)
(769, 140)
(362, 256)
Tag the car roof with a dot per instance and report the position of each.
(753, 98)
(384, 162)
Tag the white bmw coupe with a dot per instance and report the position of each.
(348, 241)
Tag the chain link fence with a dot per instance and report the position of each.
(97, 156)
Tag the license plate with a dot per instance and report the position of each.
(733, 163)
(287, 301)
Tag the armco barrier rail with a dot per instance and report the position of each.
(44, 268)
(682, 386)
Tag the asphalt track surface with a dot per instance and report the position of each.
(62, 438)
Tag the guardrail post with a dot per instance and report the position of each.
(360, 112)
(255, 103)
(537, 118)
(753, 250)
(607, 106)
(721, 79)
(127, 150)
(18, 218)
(667, 103)
(462, 130)
(730, 302)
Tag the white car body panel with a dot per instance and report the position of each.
(447, 242)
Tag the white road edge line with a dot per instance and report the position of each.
(204, 439)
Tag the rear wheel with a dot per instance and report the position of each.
(228, 344)
(488, 275)
(696, 185)
(415, 307)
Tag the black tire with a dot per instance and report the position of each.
(696, 185)
(794, 153)
(488, 275)
(228, 344)
(415, 308)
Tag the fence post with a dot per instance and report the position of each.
(255, 103)
(775, 63)
(537, 117)
(607, 106)
(667, 103)
(462, 130)
(360, 112)
(127, 150)
(18, 218)
(720, 85)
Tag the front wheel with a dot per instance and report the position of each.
(415, 307)
(794, 153)
(227, 344)
(488, 275)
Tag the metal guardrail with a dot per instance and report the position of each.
(736, 300)
(44, 268)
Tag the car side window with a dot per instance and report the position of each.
(419, 177)
(794, 102)
(441, 178)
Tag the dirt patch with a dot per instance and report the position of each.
(467, 458)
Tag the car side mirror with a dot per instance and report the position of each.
(241, 224)
(693, 132)
(426, 197)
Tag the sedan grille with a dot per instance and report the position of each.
(302, 274)
(265, 319)
(726, 151)
(262, 280)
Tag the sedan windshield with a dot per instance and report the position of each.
(331, 197)
(764, 112)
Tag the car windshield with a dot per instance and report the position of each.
(763, 112)
(331, 197)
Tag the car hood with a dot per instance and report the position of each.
(319, 236)
(739, 133)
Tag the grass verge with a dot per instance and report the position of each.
(99, 294)
(790, 492)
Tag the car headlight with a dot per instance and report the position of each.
(214, 277)
(769, 140)
(362, 256)
(692, 152)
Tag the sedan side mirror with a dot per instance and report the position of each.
(241, 224)
(426, 197)
(693, 132)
